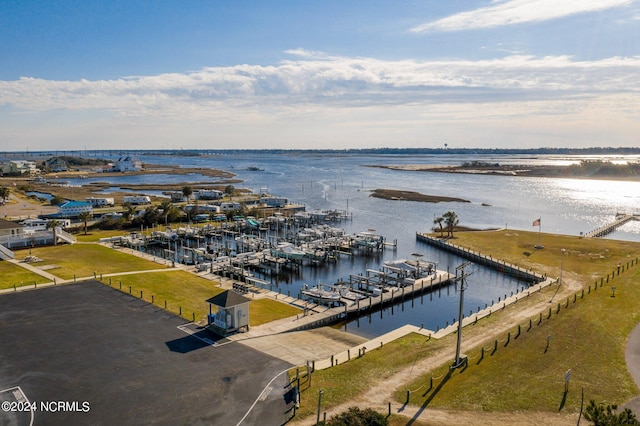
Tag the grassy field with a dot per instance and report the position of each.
(187, 291)
(588, 337)
(587, 258)
(179, 289)
(94, 235)
(264, 310)
(354, 377)
(11, 275)
(82, 260)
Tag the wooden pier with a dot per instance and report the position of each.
(482, 259)
(621, 219)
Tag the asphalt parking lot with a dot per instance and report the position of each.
(91, 346)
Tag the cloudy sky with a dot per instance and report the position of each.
(119, 74)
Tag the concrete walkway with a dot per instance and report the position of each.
(34, 269)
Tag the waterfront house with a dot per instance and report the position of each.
(20, 168)
(128, 164)
(56, 164)
(232, 313)
(73, 208)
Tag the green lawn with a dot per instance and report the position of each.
(262, 311)
(187, 291)
(82, 260)
(179, 289)
(354, 377)
(94, 235)
(11, 275)
(587, 337)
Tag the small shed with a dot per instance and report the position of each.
(232, 314)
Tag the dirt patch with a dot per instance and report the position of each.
(299, 346)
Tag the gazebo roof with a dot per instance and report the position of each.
(228, 299)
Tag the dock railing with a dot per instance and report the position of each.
(483, 259)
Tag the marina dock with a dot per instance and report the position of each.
(621, 219)
(317, 315)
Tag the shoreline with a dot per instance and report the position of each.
(524, 170)
(95, 189)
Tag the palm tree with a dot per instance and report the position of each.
(187, 191)
(54, 224)
(451, 220)
(4, 193)
(85, 217)
(438, 221)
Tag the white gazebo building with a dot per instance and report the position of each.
(232, 313)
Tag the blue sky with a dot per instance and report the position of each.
(330, 74)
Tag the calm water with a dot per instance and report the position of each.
(566, 206)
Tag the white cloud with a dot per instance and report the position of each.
(516, 12)
(335, 81)
(317, 97)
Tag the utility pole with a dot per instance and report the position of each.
(459, 361)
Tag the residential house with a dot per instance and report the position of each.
(12, 229)
(73, 208)
(127, 164)
(20, 168)
(56, 164)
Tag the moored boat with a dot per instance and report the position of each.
(322, 293)
(288, 251)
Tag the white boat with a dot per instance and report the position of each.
(288, 251)
(348, 293)
(322, 293)
(367, 239)
(410, 269)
